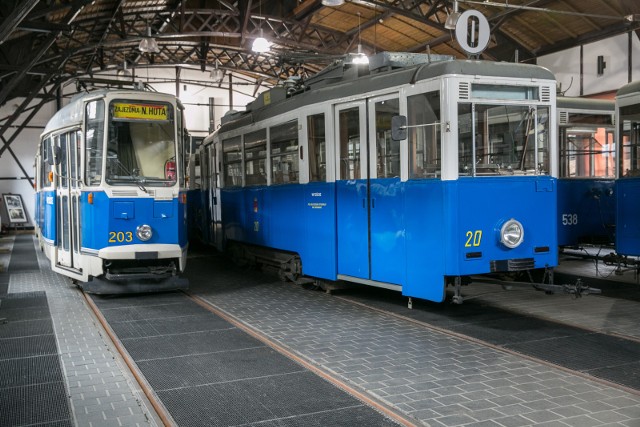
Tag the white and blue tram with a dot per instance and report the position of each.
(411, 174)
(586, 196)
(628, 182)
(110, 199)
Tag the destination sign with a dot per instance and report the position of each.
(122, 110)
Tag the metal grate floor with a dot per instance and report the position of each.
(32, 386)
(208, 372)
(23, 255)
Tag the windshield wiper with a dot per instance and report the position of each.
(136, 178)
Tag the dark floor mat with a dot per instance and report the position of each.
(265, 399)
(23, 255)
(228, 375)
(32, 386)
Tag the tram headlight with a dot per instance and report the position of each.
(144, 232)
(511, 233)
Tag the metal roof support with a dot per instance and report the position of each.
(12, 21)
(22, 107)
(24, 172)
(8, 88)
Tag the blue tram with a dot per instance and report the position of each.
(110, 199)
(412, 174)
(628, 182)
(586, 197)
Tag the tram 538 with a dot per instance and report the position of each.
(110, 199)
(410, 174)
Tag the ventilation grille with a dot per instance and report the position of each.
(545, 94)
(464, 90)
(124, 193)
(564, 117)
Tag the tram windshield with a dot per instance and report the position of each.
(141, 145)
(630, 141)
(503, 140)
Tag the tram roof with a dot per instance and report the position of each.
(350, 83)
(630, 88)
(585, 104)
(71, 114)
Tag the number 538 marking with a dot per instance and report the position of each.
(569, 219)
(473, 238)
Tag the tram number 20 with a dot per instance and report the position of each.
(473, 238)
(569, 219)
(120, 236)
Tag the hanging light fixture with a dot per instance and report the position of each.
(217, 74)
(360, 57)
(452, 19)
(260, 45)
(124, 73)
(148, 44)
(332, 2)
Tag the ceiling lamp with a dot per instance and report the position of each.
(148, 44)
(360, 57)
(124, 73)
(217, 74)
(452, 19)
(261, 45)
(332, 2)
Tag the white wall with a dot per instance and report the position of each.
(196, 100)
(566, 66)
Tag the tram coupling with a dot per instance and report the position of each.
(578, 289)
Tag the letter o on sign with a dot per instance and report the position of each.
(470, 25)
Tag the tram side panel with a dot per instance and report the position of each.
(628, 217)
(586, 211)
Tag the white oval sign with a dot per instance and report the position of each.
(472, 32)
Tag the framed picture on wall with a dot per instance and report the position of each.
(15, 208)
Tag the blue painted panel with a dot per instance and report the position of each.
(50, 218)
(387, 231)
(586, 211)
(319, 244)
(233, 214)
(353, 233)
(628, 216)
(425, 239)
(483, 205)
(105, 217)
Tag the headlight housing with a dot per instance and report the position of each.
(512, 233)
(144, 232)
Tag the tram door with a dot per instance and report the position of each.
(68, 195)
(368, 194)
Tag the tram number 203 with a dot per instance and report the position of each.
(120, 236)
(473, 238)
(569, 219)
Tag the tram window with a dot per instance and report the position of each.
(630, 141)
(285, 166)
(63, 140)
(94, 138)
(255, 158)
(141, 145)
(232, 158)
(45, 166)
(317, 148)
(350, 143)
(586, 151)
(387, 150)
(503, 139)
(424, 135)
